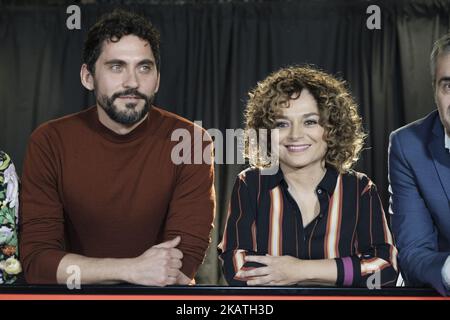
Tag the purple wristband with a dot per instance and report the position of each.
(348, 271)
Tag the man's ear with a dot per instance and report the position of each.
(87, 78)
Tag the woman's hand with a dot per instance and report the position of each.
(278, 270)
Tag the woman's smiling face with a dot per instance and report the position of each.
(301, 137)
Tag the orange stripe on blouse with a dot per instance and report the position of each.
(255, 245)
(369, 185)
(339, 219)
(276, 216)
(331, 240)
(240, 215)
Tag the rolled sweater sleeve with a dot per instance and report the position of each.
(42, 218)
(376, 254)
(192, 208)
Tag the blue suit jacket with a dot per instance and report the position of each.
(419, 175)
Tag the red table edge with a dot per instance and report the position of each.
(202, 297)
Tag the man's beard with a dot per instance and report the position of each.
(130, 116)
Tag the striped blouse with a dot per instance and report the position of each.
(263, 218)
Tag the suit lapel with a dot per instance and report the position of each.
(441, 157)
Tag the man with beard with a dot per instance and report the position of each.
(101, 197)
(419, 174)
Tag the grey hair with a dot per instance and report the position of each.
(441, 46)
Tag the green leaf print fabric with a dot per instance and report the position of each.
(9, 213)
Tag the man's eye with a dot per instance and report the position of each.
(145, 68)
(116, 67)
(446, 86)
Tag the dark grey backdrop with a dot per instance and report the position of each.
(213, 52)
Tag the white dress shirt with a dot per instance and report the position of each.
(447, 140)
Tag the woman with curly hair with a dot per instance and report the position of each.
(9, 204)
(315, 221)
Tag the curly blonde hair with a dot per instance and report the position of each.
(339, 117)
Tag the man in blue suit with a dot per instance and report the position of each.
(419, 175)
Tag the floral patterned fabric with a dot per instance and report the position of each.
(9, 213)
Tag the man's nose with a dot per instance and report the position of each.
(131, 80)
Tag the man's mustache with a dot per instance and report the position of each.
(129, 92)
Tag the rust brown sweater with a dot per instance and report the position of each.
(90, 191)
